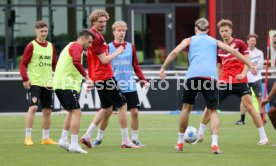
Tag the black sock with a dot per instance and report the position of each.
(242, 117)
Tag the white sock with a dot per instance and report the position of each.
(64, 135)
(100, 134)
(202, 128)
(45, 134)
(90, 130)
(134, 135)
(74, 140)
(214, 139)
(124, 132)
(262, 133)
(180, 138)
(28, 132)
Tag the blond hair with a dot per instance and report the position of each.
(96, 14)
(202, 24)
(118, 24)
(225, 22)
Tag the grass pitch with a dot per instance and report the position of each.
(157, 132)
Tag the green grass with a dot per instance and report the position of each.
(158, 132)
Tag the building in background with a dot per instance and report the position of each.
(239, 13)
(155, 26)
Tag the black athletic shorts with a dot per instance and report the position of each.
(239, 89)
(207, 87)
(110, 94)
(40, 94)
(257, 88)
(132, 100)
(69, 99)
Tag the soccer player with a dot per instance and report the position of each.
(100, 71)
(201, 77)
(272, 111)
(233, 80)
(254, 77)
(124, 67)
(67, 85)
(36, 69)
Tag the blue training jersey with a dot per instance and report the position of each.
(123, 69)
(202, 57)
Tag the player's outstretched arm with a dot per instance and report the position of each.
(172, 56)
(243, 74)
(235, 53)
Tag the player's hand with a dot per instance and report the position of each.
(120, 49)
(89, 85)
(26, 84)
(146, 84)
(264, 102)
(162, 73)
(240, 77)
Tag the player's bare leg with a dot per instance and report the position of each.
(63, 141)
(75, 127)
(247, 102)
(205, 118)
(46, 121)
(29, 125)
(243, 112)
(122, 114)
(134, 112)
(259, 99)
(183, 123)
(46, 118)
(103, 125)
(214, 130)
(86, 138)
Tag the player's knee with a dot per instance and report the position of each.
(134, 113)
(106, 117)
(46, 111)
(33, 108)
(249, 107)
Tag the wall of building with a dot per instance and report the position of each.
(26, 16)
(239, 13)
